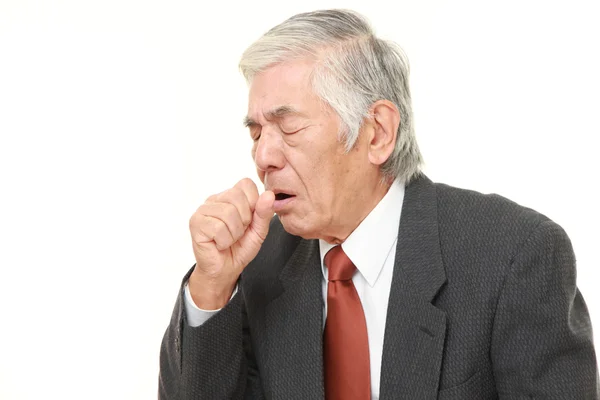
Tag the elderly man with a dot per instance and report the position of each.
(371, 282)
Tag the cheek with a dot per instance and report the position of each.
(319, 172)
(261, 174)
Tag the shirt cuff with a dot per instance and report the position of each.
(195, 315)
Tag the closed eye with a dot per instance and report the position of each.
(291, 131)
(255, 132)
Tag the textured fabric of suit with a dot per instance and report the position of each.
(483, 305)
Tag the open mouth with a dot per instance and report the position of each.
(282, 196)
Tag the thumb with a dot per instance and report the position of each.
(263, 212)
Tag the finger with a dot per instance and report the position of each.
(263, 214)
(237, 197)
(228, 214)
(214, 197)
(250, 190)
(213, 229)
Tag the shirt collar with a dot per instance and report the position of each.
(370, 244)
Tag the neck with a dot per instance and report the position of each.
(340, 231)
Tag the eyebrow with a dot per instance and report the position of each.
(276, 113)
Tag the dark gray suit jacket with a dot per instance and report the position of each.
(483, 305)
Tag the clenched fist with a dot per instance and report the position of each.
(227, 232)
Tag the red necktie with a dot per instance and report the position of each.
(346, 346)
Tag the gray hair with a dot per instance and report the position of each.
(354, 69)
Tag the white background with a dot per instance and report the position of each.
(118, 118)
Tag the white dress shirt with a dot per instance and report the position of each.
(372, 249)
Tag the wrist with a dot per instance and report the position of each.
(209, 295)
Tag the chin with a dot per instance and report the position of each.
(297, 226)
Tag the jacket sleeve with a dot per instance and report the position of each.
(542, 344)
(213, 361)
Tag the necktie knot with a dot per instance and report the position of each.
(339, 266)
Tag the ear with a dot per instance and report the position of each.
(384, 122)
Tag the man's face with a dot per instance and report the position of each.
(319, 188)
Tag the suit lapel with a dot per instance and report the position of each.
(294, 322)
(415, 329)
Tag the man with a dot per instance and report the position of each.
(371, 281)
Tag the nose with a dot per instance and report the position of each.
(268, 151)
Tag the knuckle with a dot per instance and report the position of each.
(246, 182)
(197, 218)
(246, 215)
(248, 186)
(231, 212)
(226, 196)
(217, 226)
(201, 210)
(238, 206)
(223, 240)
(198, 238)
(246, 218)
(193, 222)
(224, 243)
(235, 193)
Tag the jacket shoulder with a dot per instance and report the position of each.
(456, 204)
(472, 220)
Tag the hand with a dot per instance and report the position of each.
(227, 233)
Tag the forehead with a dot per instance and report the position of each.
(285, 84)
